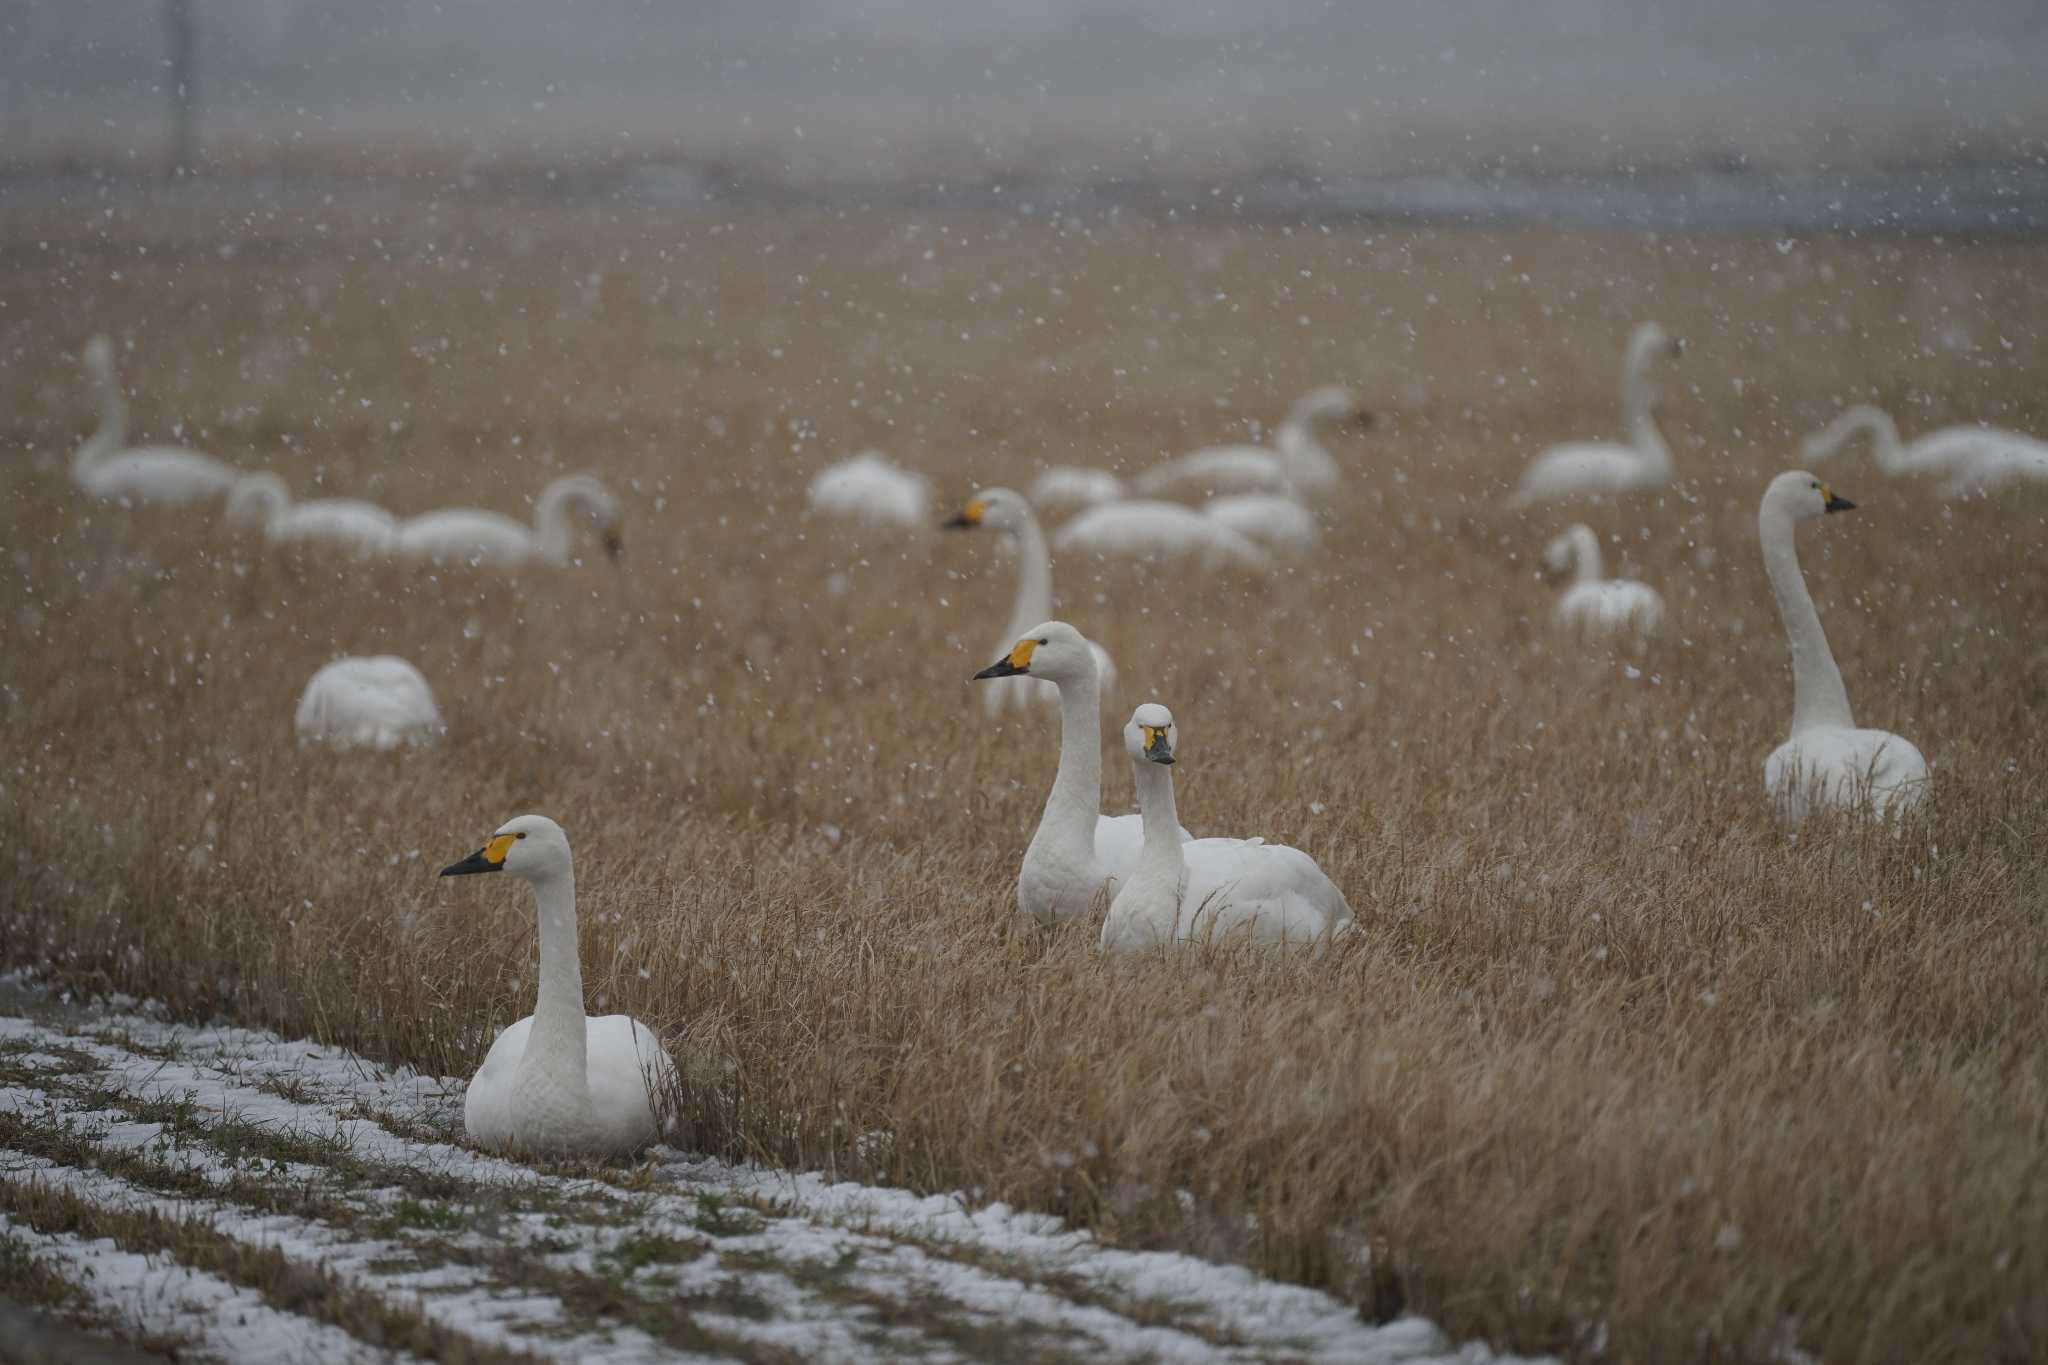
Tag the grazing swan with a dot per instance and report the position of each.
(1300, 464)
(1072, 485)
(557, 1082)
(1076, 849)
(265, 501)
(872, 490)
(379, 702)
(1002, 510)
(1220, 890)
(1828, 759)
(1594, 608)
(170, 475)
(469, 535)
(1974, 459)
(1280, 523)
(1159, 531)
(1594, 468)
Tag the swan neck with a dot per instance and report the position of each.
(1301, 449)
(1034, 578)
(1585, 554)
(1639, 408)
(559, 1039)
(551, 526)
(1161, 856)
(1818, 696)
(113, 428)
(1076, 797)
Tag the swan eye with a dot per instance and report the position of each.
(521, 834)
(1045, 640)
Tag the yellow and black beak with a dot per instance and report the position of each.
(1365, 420)
(1835, 501)
(614, 546)
(966, 518)
(1017, 661)
(489, 858)
(1158, 747)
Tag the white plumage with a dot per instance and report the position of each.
(171, 475)
(1297, 463)
(1970, 459)
(1595, 608)
(264, 501)
(871, 490)
(1279, 523)
(1069, 485)
(468, 535)
(1160, 532)
(377, 702)
(1578, 469)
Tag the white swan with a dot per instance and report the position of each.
(265, 501)
(1594, 608)
(1828, 761)
(1211, 890)
(1002, 510)
(872, 490)
(378, 702)
(558, 1082)
(1299, 464)
(468, 535)
(163, 474)
(1159, 531)
(1276, 521)
(1595, 468)
(1974, 459)
(1072, 485)
(1076, 849)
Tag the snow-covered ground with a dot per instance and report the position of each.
(158, 1157)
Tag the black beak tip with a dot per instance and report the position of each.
(1166, 759)
(1838, 503)
(956, 523)
(614, 547)
(1001, 668)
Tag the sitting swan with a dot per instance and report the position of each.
(1076, 850)
(1594, 608)
(264, 500)
(1827, 760)
(871, 490)
(170, 475)
(1157, 531)
(1278, 522)
(1003, 510)
(558, 1083)
(468, 535)
(1974, 459)
(1072, 485)
(1300, 464)
(1212, 890)
(375, 703)
(1595, 468)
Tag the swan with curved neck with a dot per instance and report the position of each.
(1972, 458)
(1594, 608)
(470, 535)
(171, 475)
(1211, 890)
(1160, 532)
(1599, 468)
(559, 1082)
(265, 501)
(1298, 463)
(1828, 761)
(1076, 850)
(1002, 510)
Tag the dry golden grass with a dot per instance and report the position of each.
(1614, 1064)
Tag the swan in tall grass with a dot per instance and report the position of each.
(1580, 469)
(1972, 459)
(1594, 608)
(1298, 462)
(469, 535)
(171, 475)
(871, 490)
(379, 702)
(1277, 522)
(1070, 485)
(558, 1082)
(1211, 890)
(264, 501)
(1076, 850)
(1159, 532)
(1828, 761)
(1002, 510)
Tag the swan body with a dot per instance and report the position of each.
(1076, 851)
(1211, 890)
(1279, 523)
(1070, 485)
(374, 703)
(559, 1083)
(1002, 510)
(872, 490)
(1828, 762)
(468, 535)
(1578, 469)
(1298, 463)
(170, 475)
(263, 500)
(1972, 459)
(1594, 608)
(1160, 531)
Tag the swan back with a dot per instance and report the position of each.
(377, 703)
(1075, 486)
(1159, 531)
(1860, 417)
(871, 490)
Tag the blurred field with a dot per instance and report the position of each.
(1616, 1070)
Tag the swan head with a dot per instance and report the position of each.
(256, 498)
(1151, 736)
(99, 356)
(1561, 555)
(1054, 651)
(1331, 403)
(1800, 496)
(531, 847)
(1651, 342)
(999, 509)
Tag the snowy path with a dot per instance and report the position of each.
(171, 1173)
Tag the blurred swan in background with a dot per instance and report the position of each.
(1211, 890)
(378, 702)
(1828, 761)
(1972, 459)
(471, 535)
(1069, 485)
(1002, 510)
(171, 475)
(1281, 524)
(264, 501)
(871, 490)
(1299, 463)
(1594, 608)
(1579, 469)
(1159, 531)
